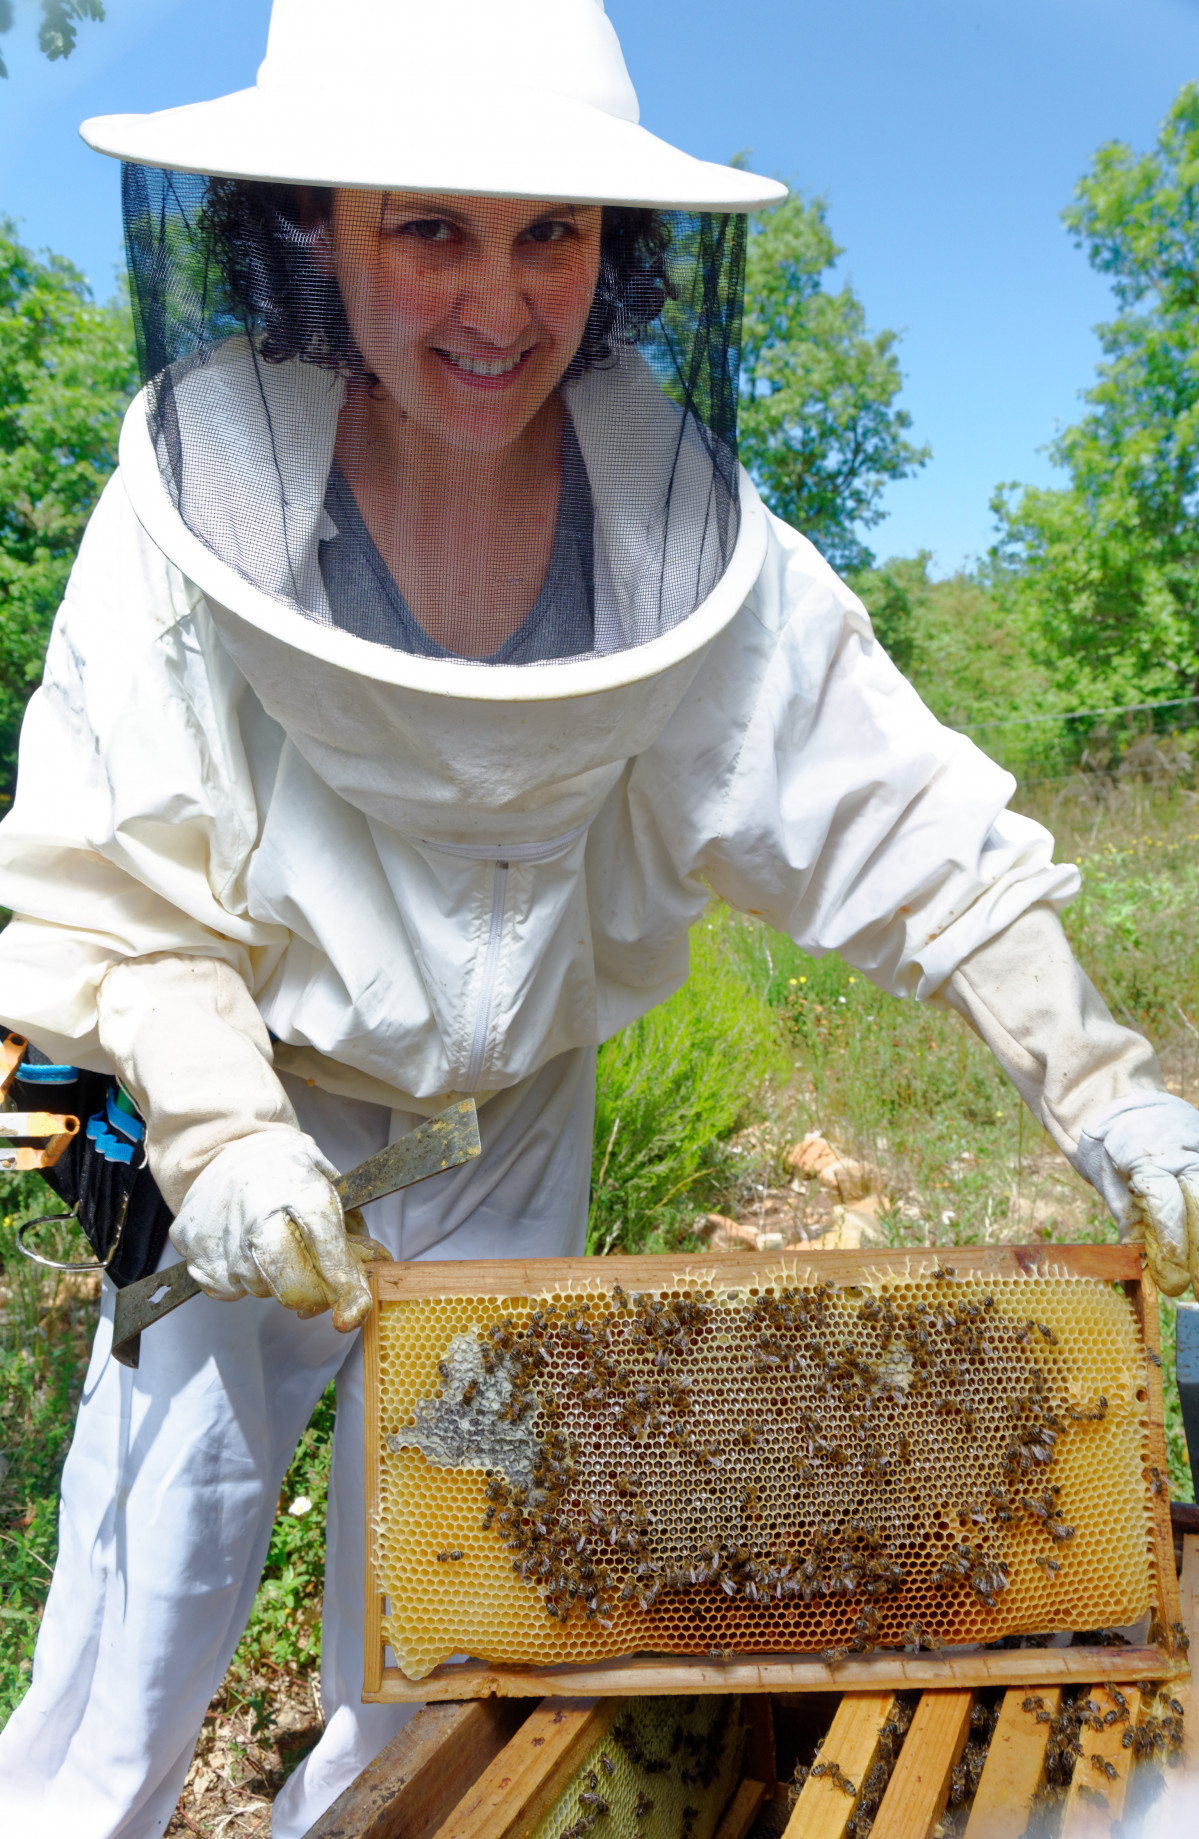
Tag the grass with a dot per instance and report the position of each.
(761, 1035)
(672, 1089)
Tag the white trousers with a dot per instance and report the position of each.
(172, 1482)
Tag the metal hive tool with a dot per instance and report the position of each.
(832, 1458)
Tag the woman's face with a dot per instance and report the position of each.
(468, 310)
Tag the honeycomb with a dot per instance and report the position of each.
(664, 1770)
(920, 1461)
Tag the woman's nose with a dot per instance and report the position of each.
(493, 301)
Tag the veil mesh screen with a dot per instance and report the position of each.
(485, 429)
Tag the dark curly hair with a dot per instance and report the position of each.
(260, 237)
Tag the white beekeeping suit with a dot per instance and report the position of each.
(307, 841)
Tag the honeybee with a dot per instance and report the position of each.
(832, 1771)
(448, 1557)
(468, 1395)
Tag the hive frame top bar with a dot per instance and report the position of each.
(511, 1277)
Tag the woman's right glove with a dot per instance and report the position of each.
(265, 1219)
(253, 1197)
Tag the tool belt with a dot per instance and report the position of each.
(99, 1170)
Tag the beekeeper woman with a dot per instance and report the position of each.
(426, 666)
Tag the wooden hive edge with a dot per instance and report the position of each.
(507, 1278)
(649, 1675)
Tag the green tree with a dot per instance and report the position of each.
(67, 371)
(818, 426)
(1108, 566)
(57, 33)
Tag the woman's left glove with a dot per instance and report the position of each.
(1142, 1154)
(1094, 1085)
(265, 1219)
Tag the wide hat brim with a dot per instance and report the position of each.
(528, 145)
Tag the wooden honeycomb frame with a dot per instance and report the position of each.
(506, 1281)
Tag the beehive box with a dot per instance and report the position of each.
(751, 1473)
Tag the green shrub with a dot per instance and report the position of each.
(672, 1089)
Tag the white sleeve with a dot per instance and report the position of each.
(192, 1050)
(1025, 993)
(804, 781)
(134, 814)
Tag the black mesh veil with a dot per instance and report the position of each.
(607, 518)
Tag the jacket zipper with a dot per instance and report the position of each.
(491, 966)
(511, 852)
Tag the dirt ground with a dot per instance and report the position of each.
(248, 1746)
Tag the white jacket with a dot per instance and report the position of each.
(434, 876)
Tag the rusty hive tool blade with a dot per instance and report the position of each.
(441, 1142)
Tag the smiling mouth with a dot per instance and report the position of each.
(486, 368)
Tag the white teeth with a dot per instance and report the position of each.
(480, 367)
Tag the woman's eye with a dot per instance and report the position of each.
(427, 229)
(552, 230)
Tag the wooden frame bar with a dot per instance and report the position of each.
(964, 1669)
(823, 1809)
(414, 1784)
(919, 1785)
(646, 1676)
(1014, 1769)
(514, 1277)
(522, 1783)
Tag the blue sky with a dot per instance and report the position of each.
(946, 135)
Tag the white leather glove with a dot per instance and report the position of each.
(1142, 1154)
(265, 1218)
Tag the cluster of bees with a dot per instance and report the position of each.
(801, 1490)
(967, 1772)
(696, 1756)
(1158, 1732)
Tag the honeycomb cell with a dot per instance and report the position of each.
(776, 1469)
(664, 1771)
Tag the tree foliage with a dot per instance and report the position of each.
(1108, 567)
(819, 429)
(58, 31)
(67, 371)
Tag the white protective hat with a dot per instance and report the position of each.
(499, 98)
